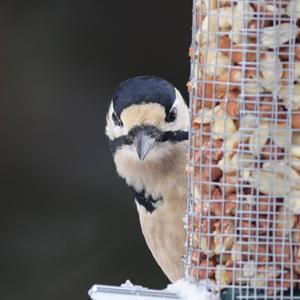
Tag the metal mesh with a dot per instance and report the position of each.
(243, 216)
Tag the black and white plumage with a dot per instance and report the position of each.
(147, 125)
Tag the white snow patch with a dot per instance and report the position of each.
(189, 291)
(127, 284)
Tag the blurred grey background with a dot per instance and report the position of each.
(66, 220)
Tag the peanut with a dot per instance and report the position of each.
(212, 150)
(271, 69)
(276, 36)
(258, 139)
(231, 163)
(263, 225)
(292, 201)
(204, 117)
(205, 92)
(209, 28)
(296, 119)
(236, 253)
(296, 138)
(242, 15)
(229, 184)
(276, 179)
(212, 172)
(189, 86)
(210, 4)
(296, 231)
(206, 270)
(287, 97)
(223, 125)
(285, 55)
(228, 81)
(285, 221)
(279, 136)
(265, 205)
(295, 152)
(297, 259)
(231, 204)
(238, 53)
(223, 239)
(249, 270)
(259, 251)
(282, 253)
(272, 152)
(231, 104)
(224, 277)
(291, 9)
(216, 62)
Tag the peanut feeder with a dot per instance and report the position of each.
(244, 162)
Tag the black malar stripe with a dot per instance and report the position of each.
(168, 136)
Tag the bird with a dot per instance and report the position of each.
(147, 127)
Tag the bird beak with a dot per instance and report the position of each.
(144, 142)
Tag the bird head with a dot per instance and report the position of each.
(147, 114)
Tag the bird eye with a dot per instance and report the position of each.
(117, 120)
(172, 115)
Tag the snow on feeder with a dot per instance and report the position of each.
(243, 215)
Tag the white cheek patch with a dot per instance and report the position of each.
(129, 151)
(113, 131)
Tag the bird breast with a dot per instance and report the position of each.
(163, 179)
(164, 232)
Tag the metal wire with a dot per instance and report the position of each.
(243, 215)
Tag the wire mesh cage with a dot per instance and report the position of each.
(244, 172)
